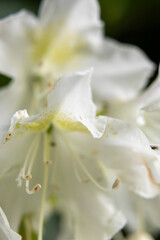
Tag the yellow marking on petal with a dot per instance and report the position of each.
(67, 123)
(60, 119)
(54, 46)
(115, 133)
(36, 126)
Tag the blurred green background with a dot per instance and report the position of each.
(130, 21)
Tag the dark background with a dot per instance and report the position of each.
(130, 21)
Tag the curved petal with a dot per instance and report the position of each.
(5, 227)
(14, 42)
(121, 71)
(69, 106)
(149, 111)
(150, 99)
(93, 213)
(14, 61)
(12, 97)
(123, 150)
(80, 16)
(71, 99)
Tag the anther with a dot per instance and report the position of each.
(34, 190)
(116, 184)
(154, 147)
(28, 177)
(37, 187)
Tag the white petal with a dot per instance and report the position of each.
(123, 150)
(14, 61)
(150, 100)
(5, 228)
(70, 107)
(12, 157)
(71, 99)
(80, 16)
(9, 103)
(14, 42)
(121, 71)
(149, 111)
(143, 186)
(93, 212)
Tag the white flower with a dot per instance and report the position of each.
(67, 112)
(36, 52)
(142, 111)
(82, 167)
(5, 231)
(66, 36)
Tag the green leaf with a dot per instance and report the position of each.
(4, 80)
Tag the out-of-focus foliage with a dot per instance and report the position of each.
(134, 21)
(52, 227)
(25, 229)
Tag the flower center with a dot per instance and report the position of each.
(53, 50)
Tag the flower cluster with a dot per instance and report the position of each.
(79, 134)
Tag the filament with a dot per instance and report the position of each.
(88, 174)
(45, 183)
(27, 177)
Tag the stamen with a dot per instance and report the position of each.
(45, 182)
(29, 154)
(153, 180)
(27, 177)
(36, 188)
(154, 147)
(89, 176)
(19, 178)
(116, 184)
(76, 171)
